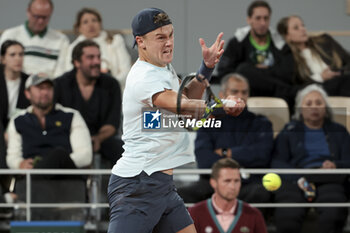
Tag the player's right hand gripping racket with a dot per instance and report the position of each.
(212, 102)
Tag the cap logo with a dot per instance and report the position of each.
(161, 19)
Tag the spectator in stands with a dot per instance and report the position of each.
(96, 96)
(261, 55)
(224, 212)
(12, 80)
(312, 140)
(115, 58)
(12, 97)
(247, 138)
(47, 135)
(42, 44)
(318, 59)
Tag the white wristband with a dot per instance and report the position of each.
(229, 103)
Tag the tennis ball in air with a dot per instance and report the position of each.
(271, 181)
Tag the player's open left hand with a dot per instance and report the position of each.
(211, 56)
(233, 106)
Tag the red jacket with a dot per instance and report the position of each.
(247, 219)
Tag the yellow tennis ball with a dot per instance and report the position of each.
(271, 181)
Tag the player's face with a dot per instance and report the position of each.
(228, 184)
(313, 107)
(13, 58)
(296, 32)
(89, 26)
(237, 88)
(259, 21)
(39, 16)
(158, 46)
(41, 96)
(90, 63)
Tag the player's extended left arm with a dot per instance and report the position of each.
(211, 56)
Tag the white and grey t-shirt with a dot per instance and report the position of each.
(156, 150)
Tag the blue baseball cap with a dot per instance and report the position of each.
(144, 23)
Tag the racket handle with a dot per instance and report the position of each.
(229, 103)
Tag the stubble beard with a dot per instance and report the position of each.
(43, 106)
(87, 74)
(260, 35)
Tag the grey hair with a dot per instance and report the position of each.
(304, 92)
(235, 76)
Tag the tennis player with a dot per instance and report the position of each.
(141, 192)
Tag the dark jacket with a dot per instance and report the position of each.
(289, 148)
(22, 101)
(328, 46)
(2, 150)
(103, 107)
(249, 137)
(35, 141)
(238, 51)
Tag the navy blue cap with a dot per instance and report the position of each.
(143, 22)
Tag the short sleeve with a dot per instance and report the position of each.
(153, 83)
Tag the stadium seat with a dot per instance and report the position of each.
(341, 110)
(275, 109)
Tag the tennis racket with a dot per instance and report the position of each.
(212, 102)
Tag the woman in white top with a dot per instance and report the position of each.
(318, 58)
(114, 54)
(12, 80)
